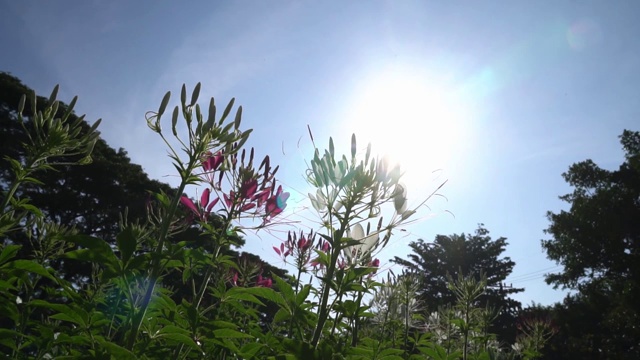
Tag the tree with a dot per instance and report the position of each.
(470, 255)
(597, 241)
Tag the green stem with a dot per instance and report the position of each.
(324, 312)
(406, 317)
(19, 179)
(155, 267)
(295, 306)
(356, 322)
(465, 346)
(338, 318)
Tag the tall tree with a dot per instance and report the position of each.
(469, 255)
(598, 243)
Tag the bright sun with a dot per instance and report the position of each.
(409, 118)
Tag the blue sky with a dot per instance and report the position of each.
(501, 97)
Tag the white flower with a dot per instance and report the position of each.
(517, 347)
(18, 300)
(353, 254)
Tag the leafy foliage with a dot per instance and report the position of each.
(471, 255)
(597, 241)
(167, 284)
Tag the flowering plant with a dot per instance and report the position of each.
(171, 287)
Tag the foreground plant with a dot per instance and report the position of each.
(127, 310)
(52, 141)
(171, 287)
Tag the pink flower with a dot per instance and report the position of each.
(264, 282)
(326, 246)
(262, 196)
(213, 161)
(188, 203)
(234, 279)
(204, 203)
(302, 243)
(248, 188)
(279, 251)
(276, 203)
(229, 199)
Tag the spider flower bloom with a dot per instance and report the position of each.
(248, 188)
(374, 264)
(205, 206)
(275, 204)
(353, 254)
(212, 162)
(264, 282)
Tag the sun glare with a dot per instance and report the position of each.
(410, 119)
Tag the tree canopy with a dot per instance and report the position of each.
(597, 241)
(469, 255)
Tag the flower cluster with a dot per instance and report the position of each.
(299, 248)
(259, 281)
(355, 255)
(253, 194)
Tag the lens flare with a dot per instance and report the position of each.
(584, 34)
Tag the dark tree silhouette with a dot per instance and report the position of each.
(467, 255)
(597, 241)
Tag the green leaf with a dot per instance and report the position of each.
(302, 295)
(32, 180)
(267, 294)
(30, 208)
(230, 333)
(65, 312)
(285, 289)
(67, 317)
(281, 315)
(90, 242)
(4, 285)
(76, 340)
(172, 329)
(180, 338)
(243, 296)
(223, 324)
(96, 250)
(8, 253)
(30, 266)
(386, 353)
(8, 338)
(91, 256)
(117, 351)
(250, 350)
